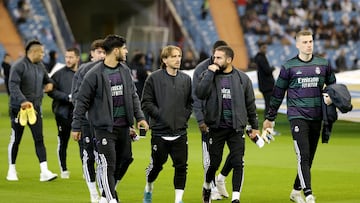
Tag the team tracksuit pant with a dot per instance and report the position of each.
(64, 129)
(236, 143)
(306, 135)
(17, 133)
(115, 156)
(160, 150)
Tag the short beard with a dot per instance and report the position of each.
(221, 68)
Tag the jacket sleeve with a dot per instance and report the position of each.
(75, 85)
(148, 101)
(189, 104)
(198, 104)
(138, 113)
(86, 94)
(16, 72)
(46, 79)
(56, 94)
(203, 89)
(330, 76)
(250, 103)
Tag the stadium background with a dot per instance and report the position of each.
(148, 25)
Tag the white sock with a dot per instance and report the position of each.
(43, 166)
(206, 185)
(235, 195)
(178, 195)
(149, 187)
(92, 187)
(221, 178)
(12, 167)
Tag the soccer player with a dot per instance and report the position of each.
(198, 107)
(27, 83)
(303, 78)
(87, 143)
(167, 100)
(229, 107)
(109, 96)
(62, 105)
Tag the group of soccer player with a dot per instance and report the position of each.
(106, 108)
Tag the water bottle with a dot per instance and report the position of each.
(257, 140)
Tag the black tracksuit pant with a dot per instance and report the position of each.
(178, 151)
(306, 135)
(64, 129)
(88, 152)
(17, 133)
(236, 143)
(115, 156)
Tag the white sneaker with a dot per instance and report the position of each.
(310, 199)
(65, 174)
(215, 195)
(12, 175)
(95, 198)
(103, 200)
(47, 176)
(221, 187)
(296, 196)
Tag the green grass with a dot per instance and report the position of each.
(269, 172)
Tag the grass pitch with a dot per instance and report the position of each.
(269, 172)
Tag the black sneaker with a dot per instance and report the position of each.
(235, 201)
(206, 195)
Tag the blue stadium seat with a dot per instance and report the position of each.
(203, 32)
(37, 26)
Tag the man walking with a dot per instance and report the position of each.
(218, 190)
(302, 78)
(229, 106)
(108, 92)
(87, 143)
(62, 106)
(27, 83)
(167, 100)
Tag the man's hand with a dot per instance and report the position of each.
(76, 135)
(48, 87)
(203, 128)
(267, 124)
(143, 124)
(213, 68)
(133, 135)
(327, 99)
(254, 133)
(267, 135)
(26, 105)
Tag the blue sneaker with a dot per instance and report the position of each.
(147, 197)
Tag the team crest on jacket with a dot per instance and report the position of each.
(104, 141)
(317, 70)
(296, 129)
(155, 147)
(210, 141)
(87, 140)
